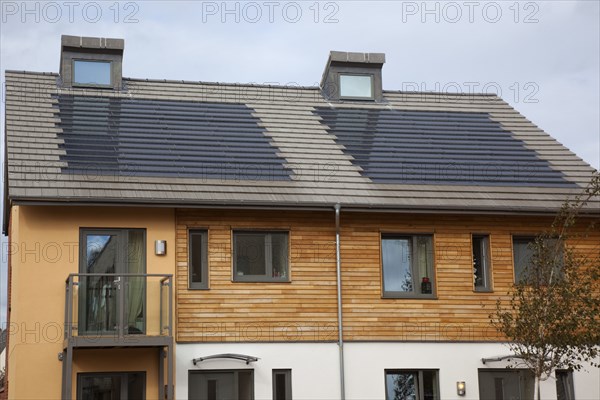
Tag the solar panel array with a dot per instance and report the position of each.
(137, 137)
(436, 147)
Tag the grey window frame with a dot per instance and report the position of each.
(339, 82)
(122, 374)
(486, 262)
(419, 373)
(288, 383)
(268, 259)
(92, 85)
(204, 270)
(567, 392)
(415, 294)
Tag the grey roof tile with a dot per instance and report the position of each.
(323, 162)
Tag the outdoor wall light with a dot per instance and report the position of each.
(160, 247)
(461, 388)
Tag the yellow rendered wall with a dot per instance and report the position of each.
(44, 251)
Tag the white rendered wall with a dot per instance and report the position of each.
(366, 362)
(315, 373)
(315, 366)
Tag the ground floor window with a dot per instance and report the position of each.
(411, 385)
(506, 384)
(221, 385)
(282, 384)
(111, 385)
(564, 385)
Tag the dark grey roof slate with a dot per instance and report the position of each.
(153, 137)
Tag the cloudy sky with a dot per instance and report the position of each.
(542, 57)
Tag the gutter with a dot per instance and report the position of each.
(338, 261)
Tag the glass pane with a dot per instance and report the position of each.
(430, 386)
(98, 294)
(100, 388)
(401, 386)
(356, 86)
(196, 257)
(279, 387)
(480, 262)
(250, 254)
(91, 72)
(397, 276)
(522, 253)
(279, 254)
(211, 389)
(135, 387)
(136, 286)
(424, 263)
(245, 385)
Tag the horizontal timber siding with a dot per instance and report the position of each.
(305, 309)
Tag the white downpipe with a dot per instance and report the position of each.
(339, 300)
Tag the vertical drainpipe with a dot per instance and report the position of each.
(339, 299)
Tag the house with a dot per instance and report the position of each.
(174, 239)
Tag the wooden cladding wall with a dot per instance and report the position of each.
(305, 308)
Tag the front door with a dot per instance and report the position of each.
(109, 303)
(506, 384)
(221, 385)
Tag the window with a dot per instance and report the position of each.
(282, 384)
(356, 86)
(564, 385)
(481, 263)
(260, 256)
(407, 266)
(506, 384)
(111, 385)
(221, 384)
(412, 385)
(91, 72)
(198, 260)
(523, 251)
(109, 304)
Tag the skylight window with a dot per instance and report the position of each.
(356, 86)
(91, 73)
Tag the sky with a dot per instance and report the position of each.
(542, 57)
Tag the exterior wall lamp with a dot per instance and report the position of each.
(160, 247)
(461, 388)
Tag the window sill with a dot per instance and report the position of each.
(410, 296)
(483, 290)
(258, 280)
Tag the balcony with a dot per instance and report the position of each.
(118, 310)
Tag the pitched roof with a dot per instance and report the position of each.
(204, 144)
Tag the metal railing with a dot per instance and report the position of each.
(118, 305)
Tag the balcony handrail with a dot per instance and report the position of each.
(165, 276)
(166, 281)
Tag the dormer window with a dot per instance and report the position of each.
(353, 77)
(91, 73)
(91, 62)
(356, 86)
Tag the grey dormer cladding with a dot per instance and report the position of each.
(91, 49)
(340, 62)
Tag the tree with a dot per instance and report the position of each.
(552, 317)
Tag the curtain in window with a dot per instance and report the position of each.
(424, 257)
(136, 285)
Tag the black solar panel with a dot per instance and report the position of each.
(431, 147)
(115, 136)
